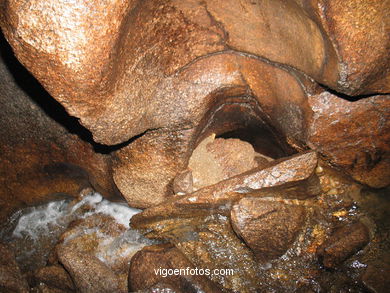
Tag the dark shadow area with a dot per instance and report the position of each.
(241, 117)
(53, 109)
(348, 97)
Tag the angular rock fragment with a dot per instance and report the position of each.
(269, 228)
(11, 278)
(342, 244)
(183, 183)
(166, 264)
(296, 170)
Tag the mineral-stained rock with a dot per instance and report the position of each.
(354, 136)
(55, 276)
(107, 243)
(342, 244)
(43, 288)
(214, 160)
(269, 29)
(159, 287)
(294, 171)
(151, 264)
(143, 170)
(11, 279)
(156, 68)
(88, 273)
(209, 242)
(268, 228)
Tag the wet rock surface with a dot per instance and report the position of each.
(144, 271)
(171, 63)
(375, 277)
(268, 228)
(88, 272)
(55, 276)
(342, 244)
(11, 278)
(79, 246)
(288, 88)
(297, 171)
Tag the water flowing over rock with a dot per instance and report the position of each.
(254, 134)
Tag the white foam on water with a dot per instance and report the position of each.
(91, 200)
(39, 219)
(45, 223)
(120, 212)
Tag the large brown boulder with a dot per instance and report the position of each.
(88, 273)
(43, 151)
(163, 70)
(359, 32)
(354, 136)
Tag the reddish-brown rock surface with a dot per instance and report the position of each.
(359, 32)
(343, 243)
(39, 154)
(151, 264)
(354, 136)
(268, 228)
(165, 70)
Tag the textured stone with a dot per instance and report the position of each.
(88, 273)
(297, 170)
(161, 69)
(183, 182)
(146, 262)
(358, 30)
(375, 277)
(144, 170)
(269, 28)
(214, 160)
(41, 154)
(55, 276)
(11, 279)
(343, 243)
(268, 228)
(353, 136)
